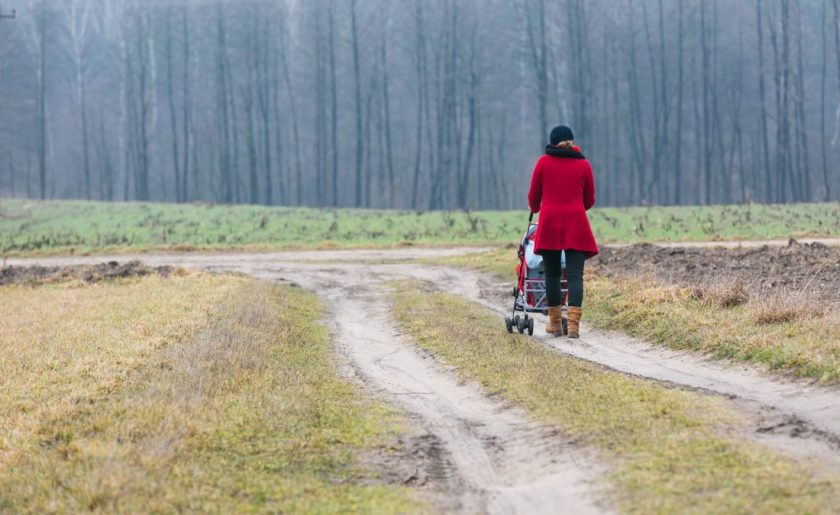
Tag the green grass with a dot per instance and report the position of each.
(34, 227)
(670, 451)
(189, 394)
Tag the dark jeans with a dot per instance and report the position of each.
(554, 272)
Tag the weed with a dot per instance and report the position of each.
(784, 308)
(722, 293)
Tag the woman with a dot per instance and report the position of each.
(562, 190)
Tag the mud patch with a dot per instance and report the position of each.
(112, 270)
(793, 435)
(765, 270)
(418, 460)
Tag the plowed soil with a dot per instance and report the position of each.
(796, 268)
(88, 273)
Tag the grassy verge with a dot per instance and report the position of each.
(672, 451)
(193, 393)
(30, 227)
(794, 336)
(798, 339)
(500, 263)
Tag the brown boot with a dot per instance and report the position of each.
(555, 321)
(574, 322)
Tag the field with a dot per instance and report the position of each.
(62, 227)
(187, 393)
(382, 380)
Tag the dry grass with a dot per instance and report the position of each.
(197, 393)
(664, 445)
(722, 293)
(782, 308)
(791, 332)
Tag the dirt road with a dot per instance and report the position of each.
(470, 452)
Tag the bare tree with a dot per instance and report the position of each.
(534, 14)
(764, 158)
(432, 105)
(36, 27)
(357, 81)
(77, 21)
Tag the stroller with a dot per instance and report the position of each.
(529, 293)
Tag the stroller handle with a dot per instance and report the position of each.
(530, 218)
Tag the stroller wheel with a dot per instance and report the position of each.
(521, 324)
(565, 327)
(509, 324)
(530, 327)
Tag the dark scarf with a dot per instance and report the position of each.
(553, 151)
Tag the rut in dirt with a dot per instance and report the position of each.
(472, 453)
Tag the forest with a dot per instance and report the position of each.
(417, 104)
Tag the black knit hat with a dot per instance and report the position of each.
(561, 133)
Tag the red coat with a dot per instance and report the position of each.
(562, 190)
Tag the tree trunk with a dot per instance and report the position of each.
(142, 107)
(803, 159)
(386, 101)
(293, 108)
(420, 48)
(222, 113)
(173, 121)
(264, 101)
(41, 87)
(186, 116)
(333, 106)
(764, 161)
(707, 116)
(250, 132)
(678, 138)
(823, 74)
(538, 46)
(354, 31)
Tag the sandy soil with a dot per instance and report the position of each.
(470, 452)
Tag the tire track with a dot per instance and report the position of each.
(479, 455)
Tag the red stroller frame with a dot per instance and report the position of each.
(529, 294)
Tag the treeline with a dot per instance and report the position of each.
(421, 104)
